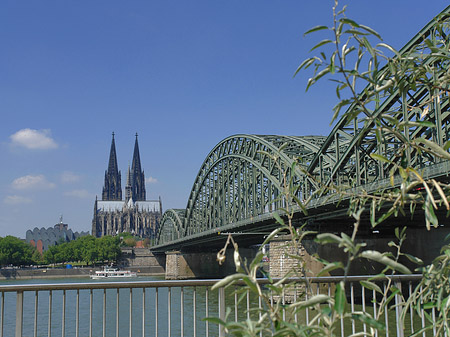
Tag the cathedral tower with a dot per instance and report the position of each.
(137, 175)
(134, 215)
(112, 189)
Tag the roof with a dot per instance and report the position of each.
(112, 206)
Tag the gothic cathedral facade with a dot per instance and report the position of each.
(133, 214)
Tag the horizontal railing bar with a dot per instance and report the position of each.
(197, 283)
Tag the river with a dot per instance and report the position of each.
(124, 310)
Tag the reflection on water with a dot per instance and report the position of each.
(136, 314)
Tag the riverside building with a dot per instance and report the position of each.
(43, 238)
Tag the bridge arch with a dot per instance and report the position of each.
(242, 177)
(171, 225)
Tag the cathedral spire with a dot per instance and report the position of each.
(112, 189)
(128, 194)
(137, 175)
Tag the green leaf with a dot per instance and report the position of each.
(305, 64)
(373, 213)
(272, 235)
(368, 46)
(383, 259)
(409, 124)
(413, 259)
(384, 216)
(315, 29)
(278, 218)
(430, 216)
(321, 43)
(228, 280)
(328, 238)
(433, 147)
(317, 299)
(332, 63)
(300, 204)
(371, 286)
(347, 241)
(355, 32)
(322, 73)
(447, 237)
(340, 300)
(349, 22)
(330, 266)
(250, 283)
(379, 157)
(370, 30)
(384, 45)
(366, 319)
(257, 260)
(214, 320)
(429, 305)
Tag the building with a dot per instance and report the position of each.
(133, 214)
(43, 238)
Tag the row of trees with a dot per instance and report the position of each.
(87, 250)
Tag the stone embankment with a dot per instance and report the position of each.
(37, 273)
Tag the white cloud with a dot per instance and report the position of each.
(32, 182)
(151, 180)
(82, 194)
(16, 200)
(34, 139)
(69, 177)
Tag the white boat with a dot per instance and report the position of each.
(109, 272)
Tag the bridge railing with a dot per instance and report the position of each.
(167, 308)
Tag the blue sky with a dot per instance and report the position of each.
(182, 74)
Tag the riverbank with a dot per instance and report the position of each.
(42, 273)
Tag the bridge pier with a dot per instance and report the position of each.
(189, 265)
(282, 259)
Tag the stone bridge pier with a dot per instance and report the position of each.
(202, 265)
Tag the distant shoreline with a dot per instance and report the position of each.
(84, 272)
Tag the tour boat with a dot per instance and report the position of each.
(109, 272)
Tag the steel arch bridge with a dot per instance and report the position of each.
(242, 178)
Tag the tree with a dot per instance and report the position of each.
(14, 251)
(109, 249)
(365, 69)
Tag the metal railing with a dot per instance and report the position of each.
(164, 308)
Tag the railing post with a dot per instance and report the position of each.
(398, 308)
(222, 311)
(19, 313)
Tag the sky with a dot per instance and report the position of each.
(184, 75)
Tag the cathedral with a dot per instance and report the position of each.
(133, 214)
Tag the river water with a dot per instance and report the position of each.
(187, 323)
(192, 319)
